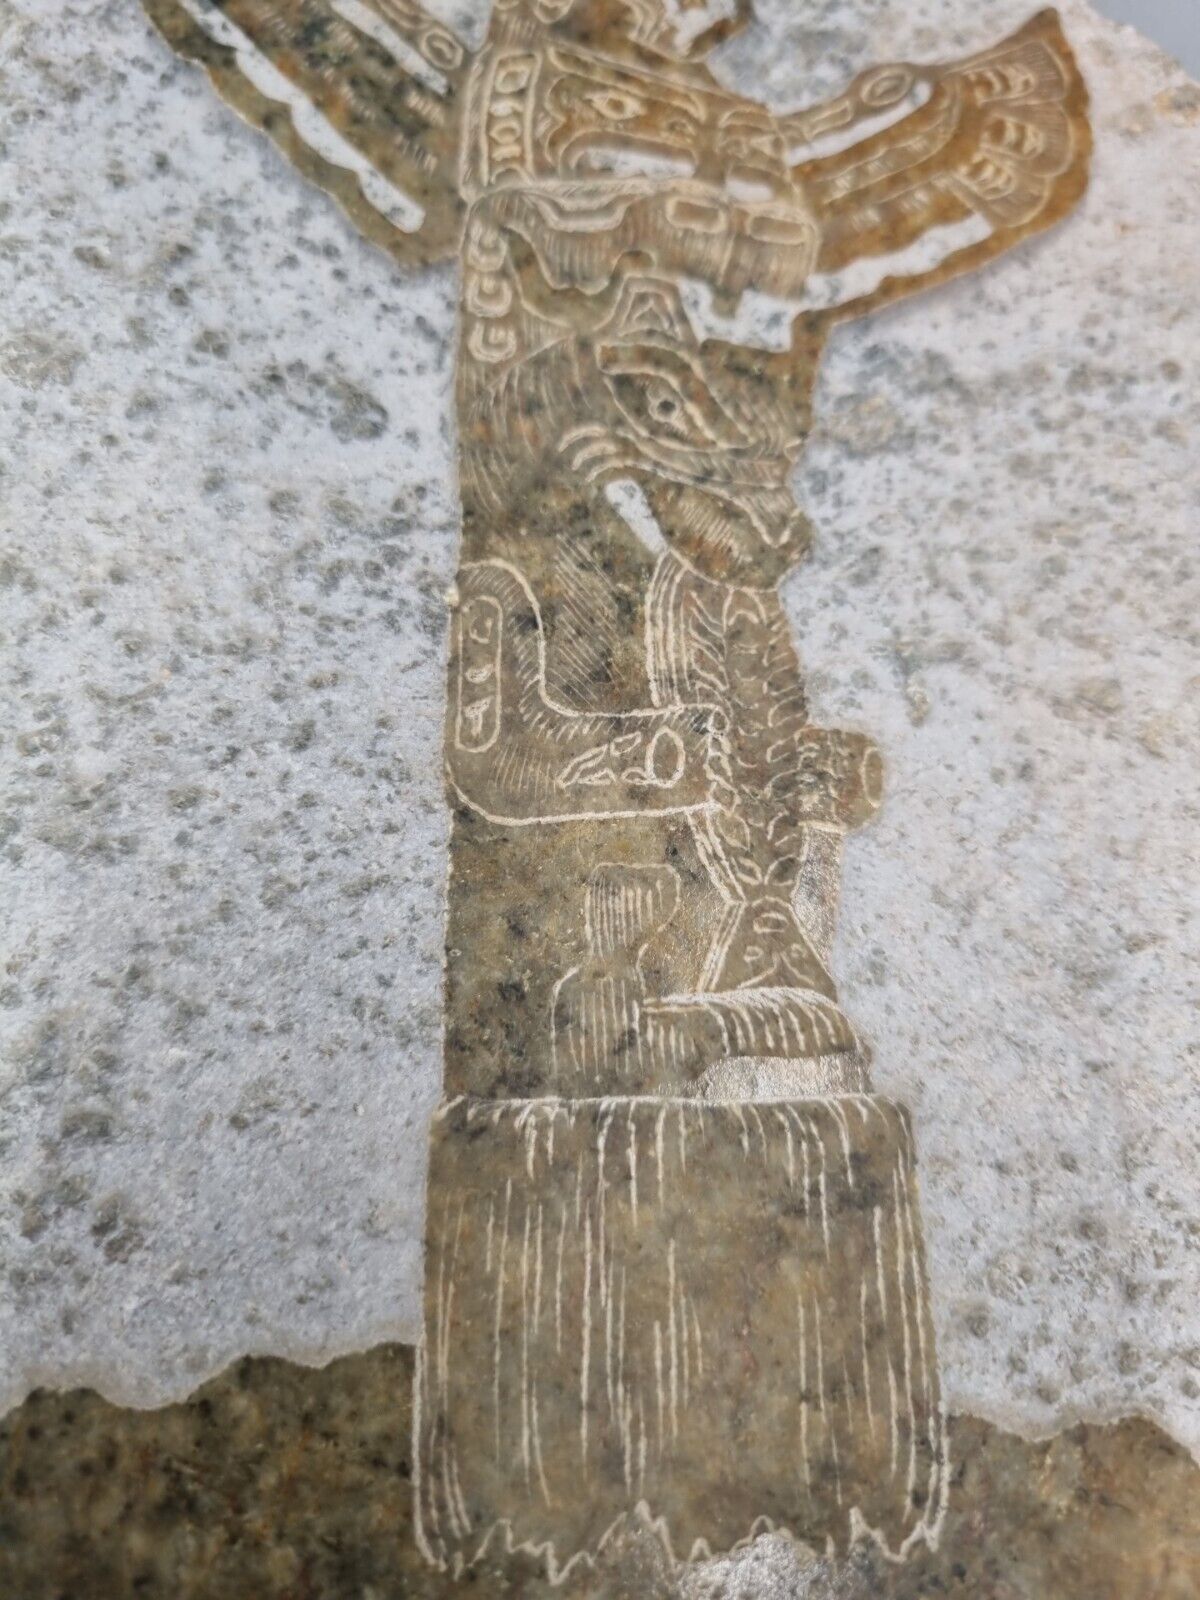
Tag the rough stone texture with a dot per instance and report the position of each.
(288, 1484)
(230, 523)
(230, 519)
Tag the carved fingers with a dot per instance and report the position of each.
(832, 778)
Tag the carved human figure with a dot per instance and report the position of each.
(602, 184)
(654, 1286)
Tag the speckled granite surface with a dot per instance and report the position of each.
(277, 1482)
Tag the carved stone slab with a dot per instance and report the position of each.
(712, 1319)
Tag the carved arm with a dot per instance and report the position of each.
(517, 757)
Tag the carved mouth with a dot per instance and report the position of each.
(732, 533)
(598, 156)
(596, 451)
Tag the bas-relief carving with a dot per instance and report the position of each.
(674, 1259)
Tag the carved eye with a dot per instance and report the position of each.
(659, 401)
(614, 106)
(660, 407)
(885, 87)
(663, 395)
(663, 401)
(750, 147)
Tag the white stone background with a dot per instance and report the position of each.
(228, 520)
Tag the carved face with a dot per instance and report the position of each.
(709, 430)
(622, 156)
(705, 430)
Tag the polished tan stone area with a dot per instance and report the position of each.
(280, 1482)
